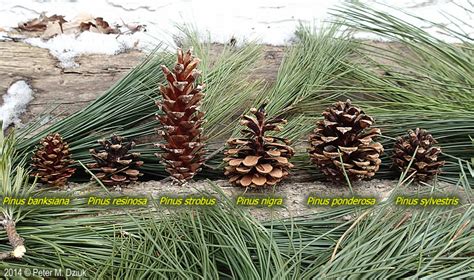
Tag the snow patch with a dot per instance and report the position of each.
(66, 47)
(4, 36)
(271, 21)
(14, 103)
(267, 21)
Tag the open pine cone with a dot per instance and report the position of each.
(345, 133)
(183, 152)
(115, 165)
(51, 161)
(257, 160)
(426, 163)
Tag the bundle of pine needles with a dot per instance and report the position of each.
(227, 242)
(416, 80)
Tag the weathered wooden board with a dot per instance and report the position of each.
(71, 89)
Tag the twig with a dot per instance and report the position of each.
(218, 151)
(333, 256)
(6, 255)
(15, 240)
(460, 230)
(210, 166)
(403, 220)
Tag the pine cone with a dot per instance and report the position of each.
(345, 128)
(183, 154)
(115, 164)
(51, 161)
(425, 164)
(257, 160)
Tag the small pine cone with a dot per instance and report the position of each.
(257, 160)
(115, 165)
(51, 161)
(183, 152)
(345, 133)
(425, 165)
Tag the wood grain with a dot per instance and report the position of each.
(71, 89)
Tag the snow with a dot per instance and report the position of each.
(268, 21)
(66, 47)
(4, 36)
(14, 103)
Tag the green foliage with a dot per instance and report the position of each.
(304, 84)
(419, 82)
(227, 242)
(128, 107)
(472, 159)
(431, 87)
(398, 244)
(13, 180)
(220, 242)
(229, 83)
(72, 236)
(124, 109)
(388, 241)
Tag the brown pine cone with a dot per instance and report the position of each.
(345, 133)
(183, 152)
(426, 164)
(257, 160)
(115, 165)
(51, 161)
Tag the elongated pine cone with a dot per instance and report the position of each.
(51, 161)
(115, 165)
(257, 160)
(345, 133)
(426, 163)
(183, 153)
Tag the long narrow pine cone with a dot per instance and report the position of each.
(51, 161)
(115, 165)
(425, 163)
(258, 160)
(345, 134)
(183, 153)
